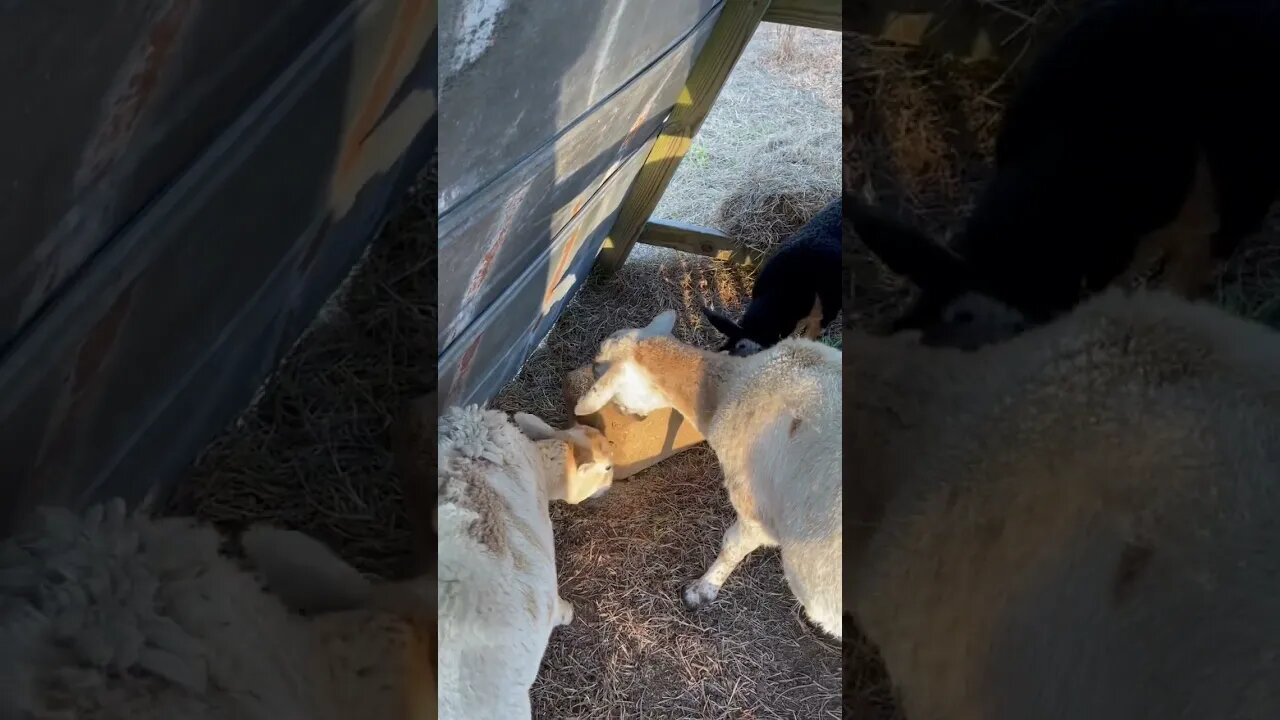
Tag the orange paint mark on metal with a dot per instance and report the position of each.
(134, 92)
(464, 365)
(409, 13)
(97, 346)
(486, 262)
(634, 127)
(566, 254)
(562, 265)
(62, 441)
(485, 266)
(495, 244)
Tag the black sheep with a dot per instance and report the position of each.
(1147, 127)
(801, 277)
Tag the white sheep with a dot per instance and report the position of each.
(498, 594)
(1078, 522)
(110, 615)
(774, 421)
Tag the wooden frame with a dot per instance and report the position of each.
(819, 14)
(733, 30)
(696, 239)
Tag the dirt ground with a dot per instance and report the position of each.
(918, 134)
(633, 650)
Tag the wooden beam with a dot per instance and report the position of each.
(733, 29)
(820, 14)
(696, 239)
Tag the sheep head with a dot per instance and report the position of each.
(620, 378)
(590, 457)
(957, 306)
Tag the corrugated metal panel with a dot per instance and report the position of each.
(501, 272)
(493, 236)
(514, 73)
(166, 334)
(105, 104)
(494, 347)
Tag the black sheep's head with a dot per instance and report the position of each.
(956, 306)
(756, 331)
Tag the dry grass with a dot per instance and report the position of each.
(767, 157)
(918, 134)
(633, 650)
(311, 453)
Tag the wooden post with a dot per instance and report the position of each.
(733, 29)
(698, 240)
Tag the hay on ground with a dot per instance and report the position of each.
(311, 453)
(768, 156)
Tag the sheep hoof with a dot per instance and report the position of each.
(699, 593)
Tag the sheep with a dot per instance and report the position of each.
(802, 277)
(1079, 522)
(774, 421)
(1123, 143)
(109, 615)
(498, 593)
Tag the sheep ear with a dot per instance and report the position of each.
(724, 325)
(662, 324)
(534, 427)
(599, 394)
(591, 466)
(577, 436)
(909, 252)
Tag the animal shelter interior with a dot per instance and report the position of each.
(656, 161)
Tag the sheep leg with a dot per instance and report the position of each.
(742, 537)
(564, 611)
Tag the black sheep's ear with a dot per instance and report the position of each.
(928, 264)
(727, 327)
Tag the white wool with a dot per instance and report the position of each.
(497, 591)
(109, 615)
